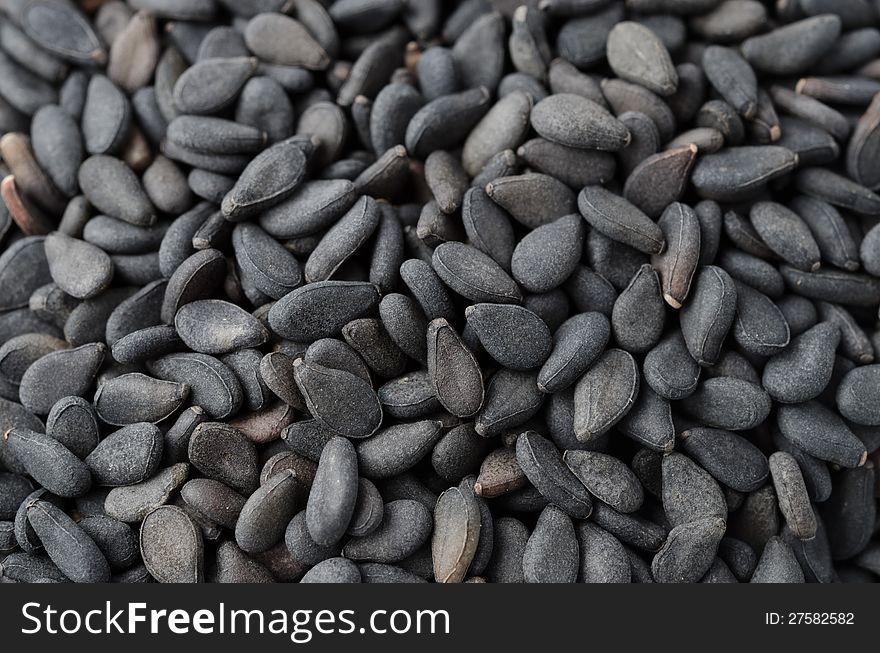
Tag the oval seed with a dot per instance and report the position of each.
(334, 492)
(456, 534)
(136, 397)
(605, 394)
(172, 546)
(264, 516)
(454, 372)
(67, 544)
(405, 527)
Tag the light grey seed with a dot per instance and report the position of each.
(857, 395)
(504, 127)
(73, 422)
(575, 121)
(114, 189)
(512, 399)
(134, 52)
(514, 336)
(58, 148)
(118, 237)
(333, 496)
(270, 178)
(368, 511)
(793, 48)
(446, 121)
(211, 85)
(223, 453)
(213, 386)
(636, 54)
(528, 46)
(436, 73)
(447, 180)
(280, 39)
(548, 255)
(689, 492)
(314, 206)
(606, 478)
(405, 527)
(709, 315)
(626, 97)
(480, 53)
(67, 544)
(133, 503)
(264, 104)
(830, 285)
(837, 190)
(576, 345)
(48, 462)
(210, 186)
(88, 321)
(320, 310)
(731, 21)
(176, 244)
(136, 397)
(732, 76)
(343, 240)
(689, 551)
(456, 535)
(394, 107)
(603, 559)
(79, 268)
(212, 326)
(830, 231)
(106, 120)
(551, 553)
(59, 374)
(172, 546)
(510, 541)
(791, 491)
(660, 179)
(638, 316)
(222, 42)
(620, 220)
(339, 400)
(604, 394)
(777, 564)
(759, 327)
(128, 456)
(803, 370)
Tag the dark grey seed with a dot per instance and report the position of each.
(128, 456)
(820, 433)
(224, 454)
(689, 551)
(649, 422)
(60, 374)
(338, 355)
(590, 291)
(512, 398)
(447, 180)
(514, 336)
(575, 121)
(79, 268)
(511, 538)
(264, 516)
(607, 478)
(707, 140)
(857, 395)
(800, 313)
(709, 314)
(729, 457)
(210, 186)
(833, 285)
(409, 397)
(503, 128)
(264, 105)
(631, 98)
(582, 39)
(660, 179)
(488, 227)
(67, 544)
(387, 177)
(135, 397)
(72, 421)
(232, 565)
(227, 164)
(133, 503)
(618, 219)
(117, 237)
(333, 570)
(732, 77)
(812, 145)
(339, 400)
(436, 73)
(405, 527)
(670, 370)
(333, 496)
(553, 307)
(532, 199)
(719, 115)
(321, 309)
(211, 85)
(603, 559)
(605, 394)
(731, 21)
(106, 117)
(837, 190)
(32, 568)
(23, 269)
(869, 251)
(629, 529)
(500, 473)
(265, 424)
(212, 326)
(636, 54)
(459, 453)
(405, 324)
(638, 315)
(786, 234)
(116, 540)
(849, 513)
(759, 327)
(214, 501)
(794, 48)
(343, 240)
(368, 510)
(548, 255)
(456, 535)
(140, 310)
(88, 321)
(301, 546)
(23, 91)
(814, 556)
(113, 188)
(394, 107)
(176, 244)
(370, 339)
(543, 466)
(270, 178)
(307, 438)
(213, 386)
(374, 572)
(397, 448)
(574, 167)
(178, 435)
(144, 344)
(729, 403)
(57, 147)
(215, 135)
(777, 564)
(479, 52)
(678, 262)
(551, 553)
(744, 236)
(314, 206)
(754, 166)
(739, 558)
(325, 122)
(28, 54)
(529, 49)
(802, 371)
(753, 271)
(454, 372)
(16, 490)
(794, 501)
(20, 352)
(576, 344)
(430, 128)
(172, 546)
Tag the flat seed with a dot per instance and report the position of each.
(130, 455)
(638, 315)
(605, 394)
(729, 403)
(60, 374)
(368, 510)
(213, 500)
(603, 558)
(212, 385)
(575, 121)
(636, 54)
(49, 462)
(512, 398)
(264, 516)
(73, 422)
(543, 466)
(455, 373)
(216, 327)
(334, 493)
(133, 503)
(211, 85)
(405, 527)
(456, 535)
(649, 421)
(689, 551)
(512, 335)
(172, 546)
(793, 48)
(606, 478)
(709, 314)
(321, 309)
(224, 454)
(135, 397)
(660, 179)
(112, 188)
(551, 553)
(777, 564)
(343, 240)
(79, 268)
(857, 395)
(620, 220)
(397, 448)
(532, 199)
(794, 502)
(68, 545)
(282, 40)
(733, 78)
(576, 344)
(430, 128)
